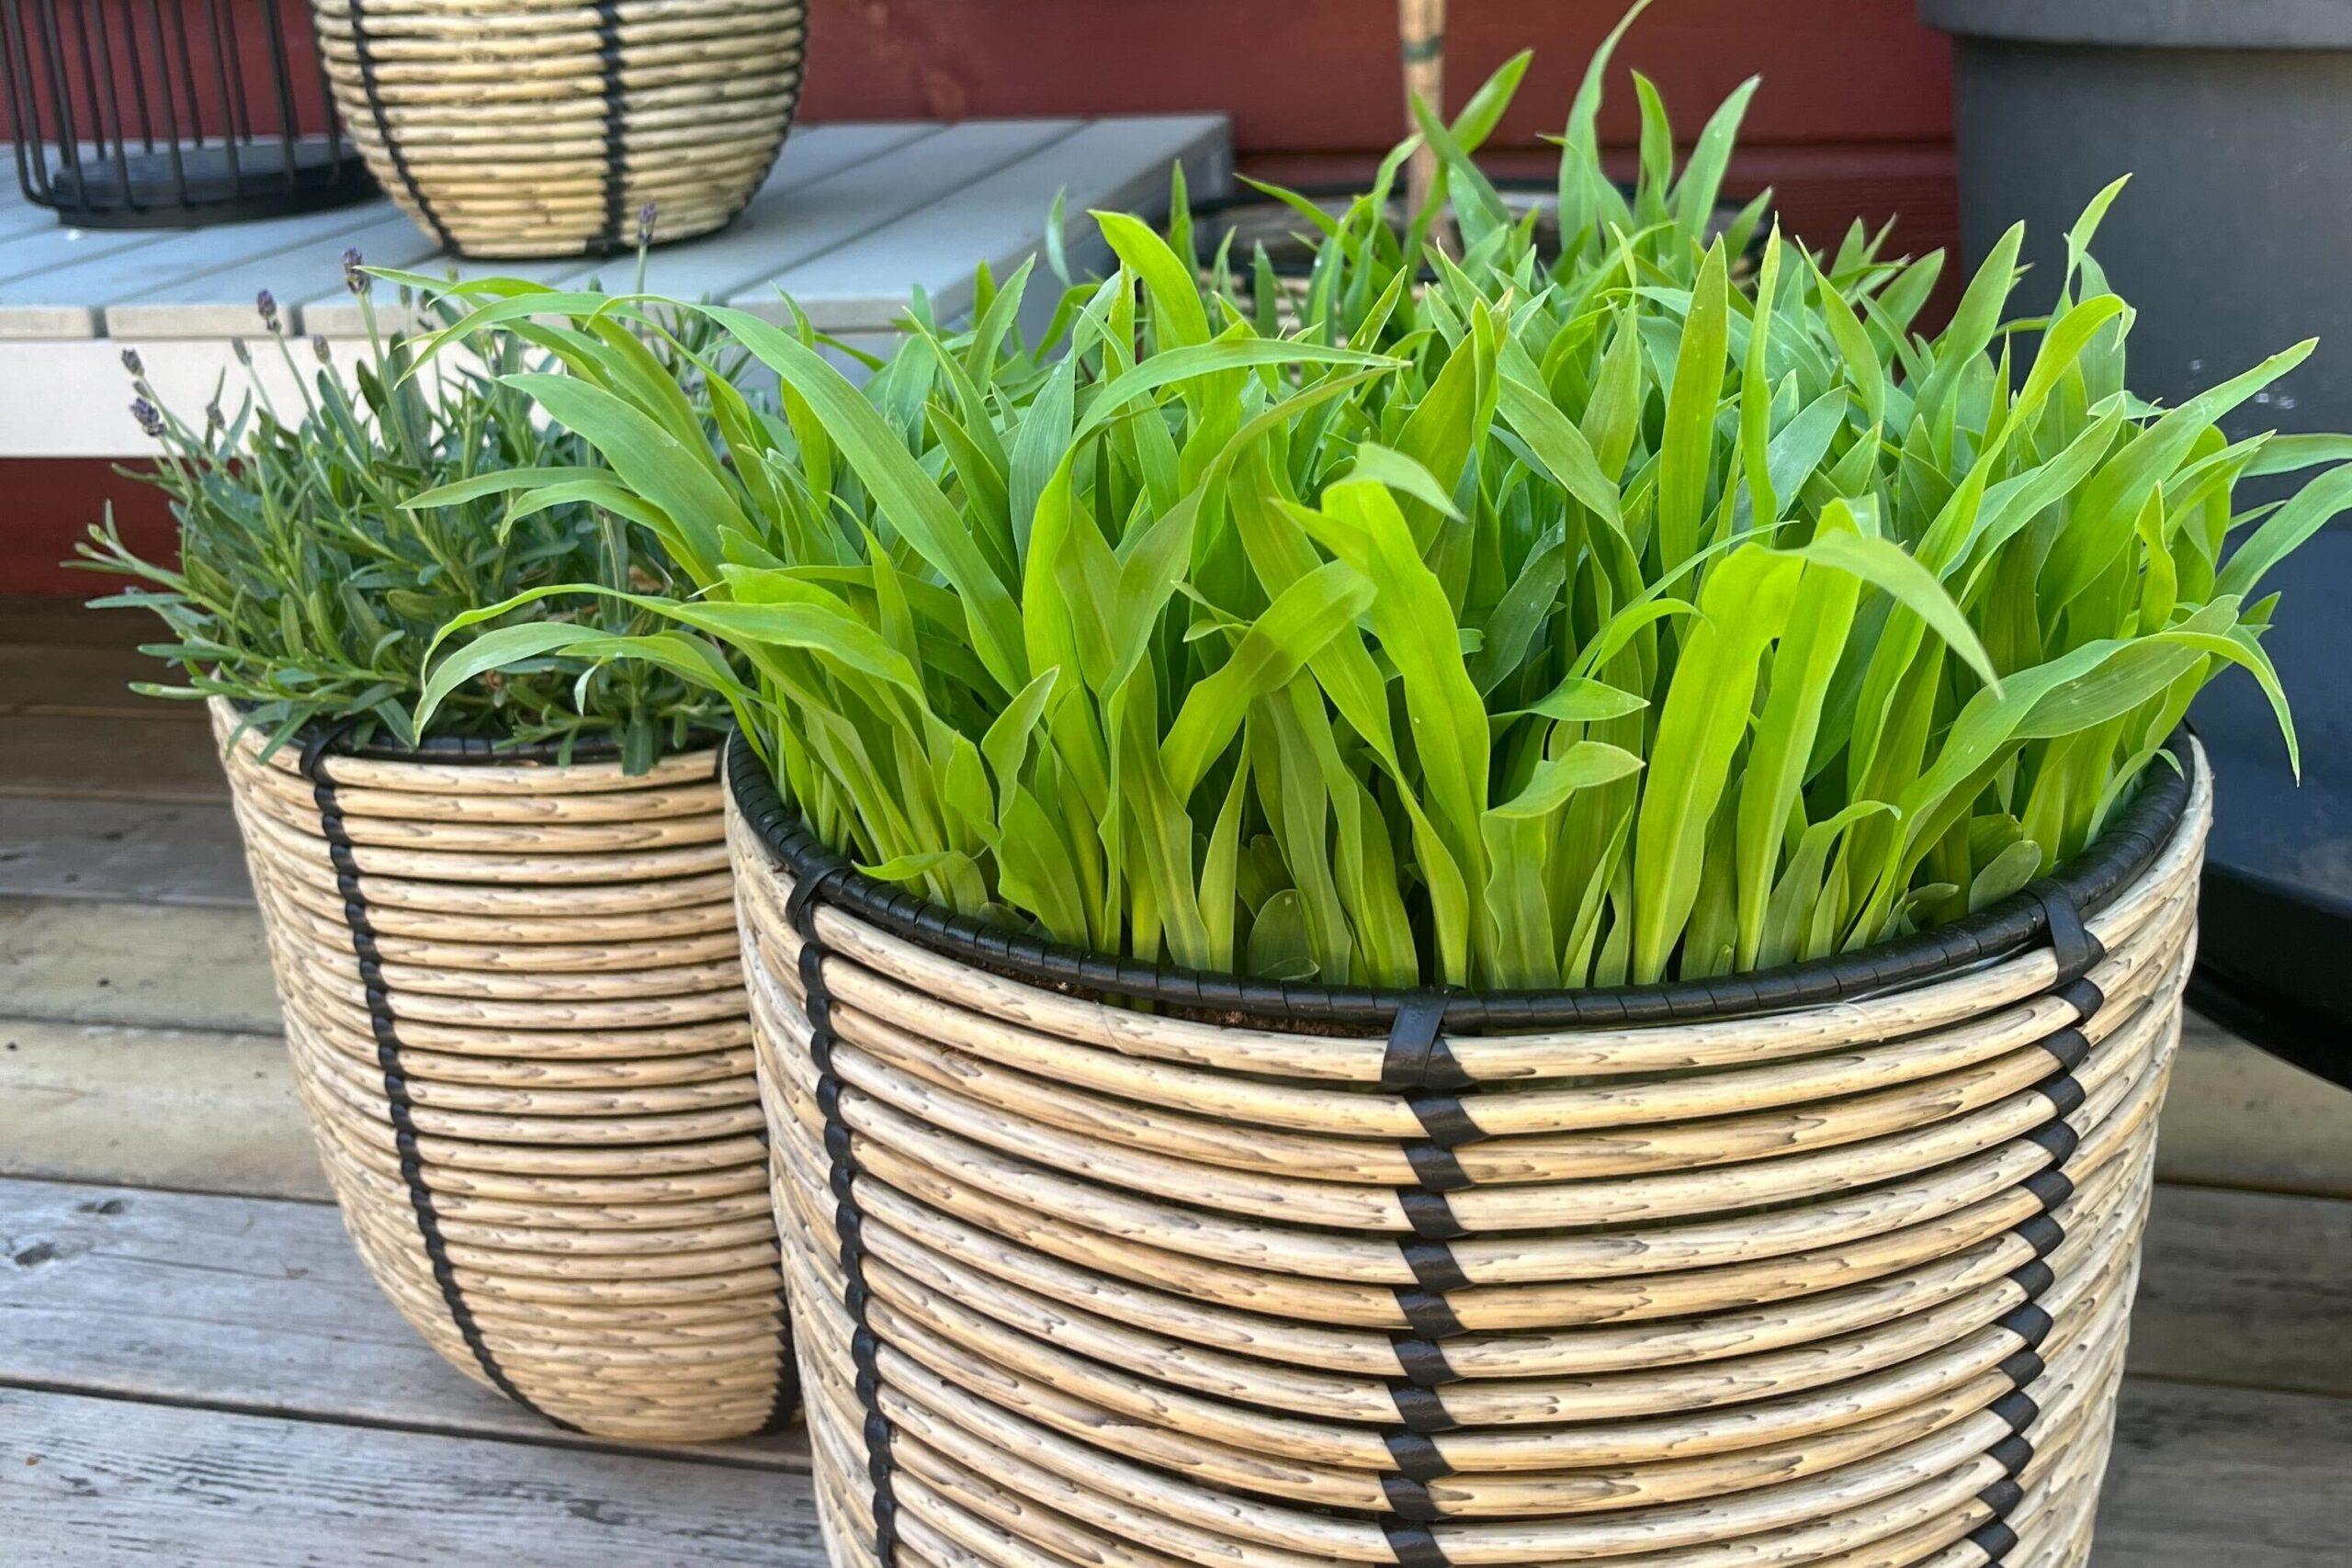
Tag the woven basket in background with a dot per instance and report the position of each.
(542, 128)
(514, 1004)
(1830, 1267)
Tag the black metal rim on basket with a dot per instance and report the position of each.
(2132, 840)
(1539, 195)
(332, 738)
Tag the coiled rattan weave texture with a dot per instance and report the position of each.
(1079, 1282)
(542, 127)
(516, 1016)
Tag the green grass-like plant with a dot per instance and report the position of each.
(1569, 624)
(308, 589)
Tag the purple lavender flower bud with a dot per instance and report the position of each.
(645, 216)
(132, 362)
(145, 413)
(319, 347)
(266, 303)
(356, 280)
(212, 417)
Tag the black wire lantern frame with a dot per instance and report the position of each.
(133, 114)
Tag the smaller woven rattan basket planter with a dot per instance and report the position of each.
(1104, 1264)
(513, 999)
(542, 127)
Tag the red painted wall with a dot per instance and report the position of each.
(1853, 119)
(1317, 74)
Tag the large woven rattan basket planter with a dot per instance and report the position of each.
(542, 128)
(517, 1018)
(1099, 1264)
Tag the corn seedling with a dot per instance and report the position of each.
(1574, 625)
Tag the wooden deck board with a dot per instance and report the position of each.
(200, 1371)
(2226, 1478)
(831, 183)
(998, 218)
(28, 304)
(256, 1308)
(157, 753)
(2252, 1289)
(196, 1296)
(138, 963)
(163, 852)
(2239, 1117)
(208, 1111)
(853, 217)
(99, 1481)
(256, 1305)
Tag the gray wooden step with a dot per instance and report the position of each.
(94, 1483)
(245, 1304)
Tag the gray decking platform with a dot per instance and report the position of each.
(194, 1370)
(851, 220)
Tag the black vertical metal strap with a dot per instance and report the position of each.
(233, 130)
(365, 56)
(800, 913)
(2077, 952)
(608, 49)
(281, 85)
(1417, 1060)
(400, 1106)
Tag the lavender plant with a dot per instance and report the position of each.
(307, 589)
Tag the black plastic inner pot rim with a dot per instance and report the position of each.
(333, 739)
(1253, 217)
(2087, 884)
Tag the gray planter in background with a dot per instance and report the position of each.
(2234, 240)
(2234, 119)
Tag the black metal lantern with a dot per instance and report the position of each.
(133, 114)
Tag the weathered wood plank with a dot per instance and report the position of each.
(2226, 1478)
(154, 755)
(236, 1303)
(163, 854)
(28, 255)
(68, 623)
(220, 304)
(99, 1481)
(841, 214)
(781, 216)
(75, 961)
(998, 217)
(1151, 150)
(2237, 1117)
(89, 682)
(2218, 1263)
(2246, 1287)
(152, 1107)
(19, 216)
(33, 307)
(45, 249)
(261, 1306)
(800, 206)
(179, 295)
